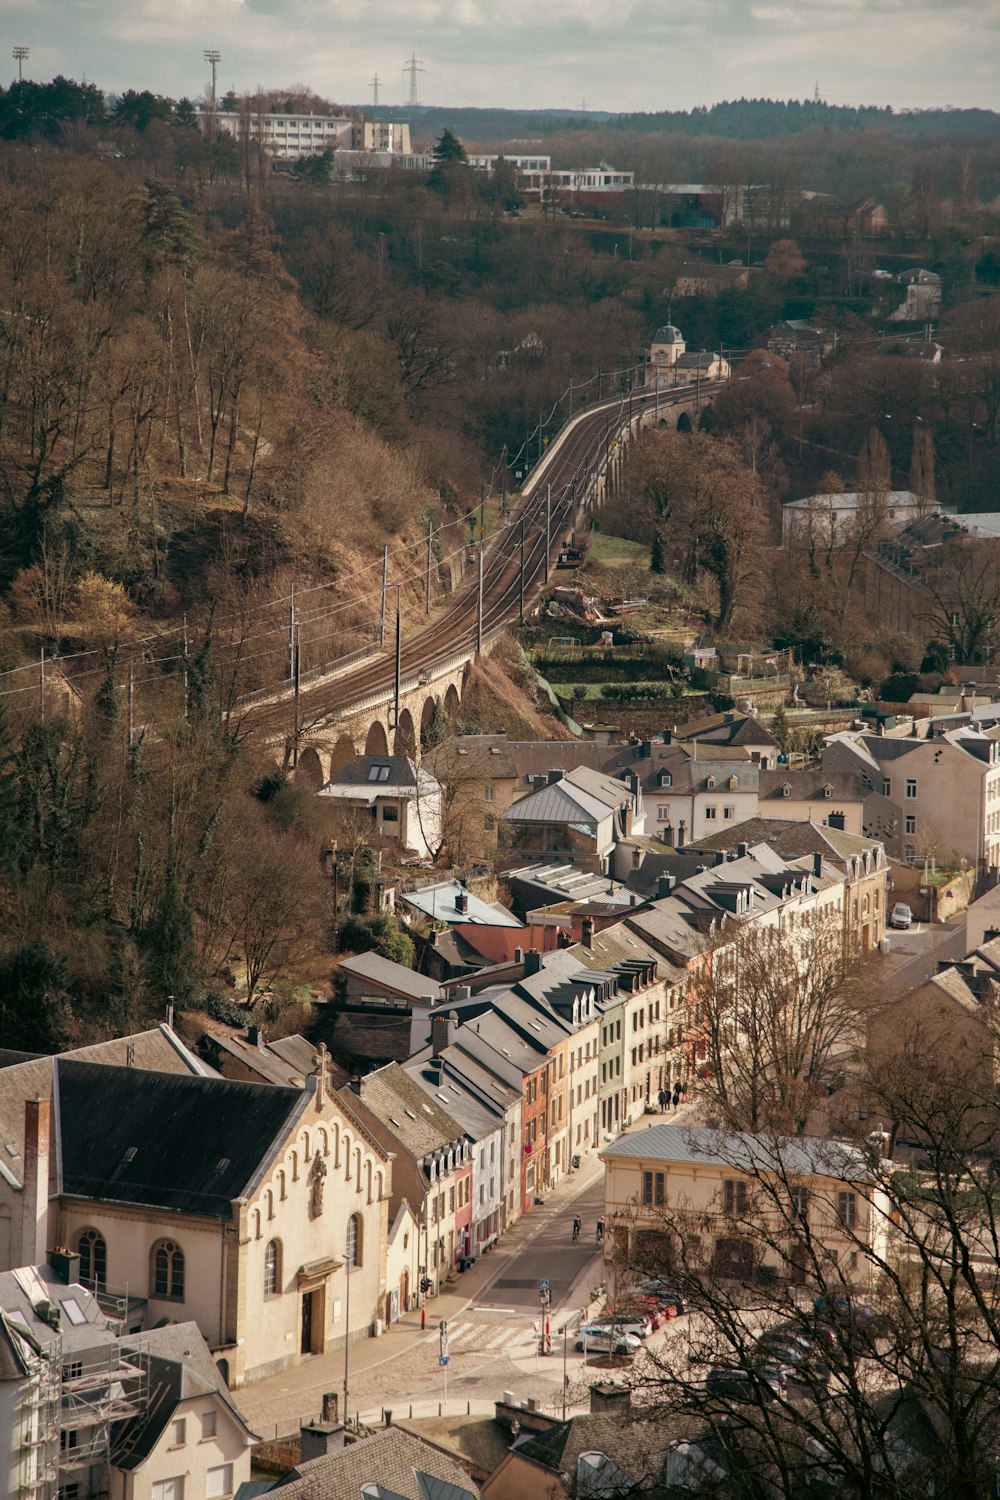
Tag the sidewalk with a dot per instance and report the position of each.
(277, 1405)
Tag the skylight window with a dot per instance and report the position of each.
(73, 1311)
(379, 773)
(410, 1113)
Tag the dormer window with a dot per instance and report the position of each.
(786, 790)
(666, 779)
(710, 783)
(734, 782)
(828, 791)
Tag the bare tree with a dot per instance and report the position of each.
(776, 1015)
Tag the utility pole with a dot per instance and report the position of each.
(291, 635)
(427, 594)
(185, 667)
(482, 514)
(399, 657)
(385, 580)
(213, 57)
(479, 608)
(520, 581)
(297, 677)
(41, 683)
(347, 1318)
(548, 522)
(131, 707)
(20, 56)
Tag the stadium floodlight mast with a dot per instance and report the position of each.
(20, 56)
(213, 56)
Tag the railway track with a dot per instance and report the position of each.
(567, 474)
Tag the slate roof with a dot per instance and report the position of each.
(81, 1323)
(581, 797)
(159, 1049)
(418, 1121)
(792, 838)
(172, 1142)
(693, 1146)
(725, 729)
(180, 1368)
(387, 974)
(440, 903)
(392, 1461)
(810, 785)
(355, 780)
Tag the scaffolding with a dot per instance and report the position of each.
(102, 1386)
(68, 1405)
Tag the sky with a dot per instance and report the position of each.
(632, 55)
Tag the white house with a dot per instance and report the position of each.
(388, 797)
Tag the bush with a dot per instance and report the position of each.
(383, 934)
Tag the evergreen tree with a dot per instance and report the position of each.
(658, 554)
(169, 940)
(34, 1004)
(781, 729)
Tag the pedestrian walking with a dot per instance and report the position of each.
(600, 1230)
(684, 1094)
(677, 1093)
(664, 1100)
(577, 1225)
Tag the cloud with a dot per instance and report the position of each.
(630, 54)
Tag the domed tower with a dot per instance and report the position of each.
(665, 350)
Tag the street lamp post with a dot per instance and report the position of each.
(20, 55)
(347, 1320)
(564, 1330)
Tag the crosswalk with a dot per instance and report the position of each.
(470, 1337)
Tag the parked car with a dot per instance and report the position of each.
(591, 1339)
(626, 1322)
(901, 916)
(662, 1292)
(796, 1351)
(766, 1383)
(846, 1318)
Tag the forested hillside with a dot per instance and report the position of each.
(222, 387)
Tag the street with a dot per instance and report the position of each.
(914, 955)
(552, 1255)
(492, 1313)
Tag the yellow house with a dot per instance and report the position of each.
(740, 1201)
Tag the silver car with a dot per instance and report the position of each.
(591, 1339)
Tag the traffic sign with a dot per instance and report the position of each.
(443, 1359)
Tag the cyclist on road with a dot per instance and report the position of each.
(577, 1225)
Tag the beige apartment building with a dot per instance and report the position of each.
(947, 786)
(731, 1202)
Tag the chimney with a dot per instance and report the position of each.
(968, 697)
(255, 1036)
(720, 856)
(443, 1030)
(519, 955)
(818, 866)
(587, 932)
(170, 1015)
(462, 903)
(611, 1398)
(35, 1193)
(742, 850)
(664, 885)
(66, 1264)
(532, 962)
(554, 776)
(317, 1439)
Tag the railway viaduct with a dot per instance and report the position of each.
(381, 706)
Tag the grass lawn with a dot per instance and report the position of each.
(613, 551)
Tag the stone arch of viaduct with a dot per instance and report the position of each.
(367, 728)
